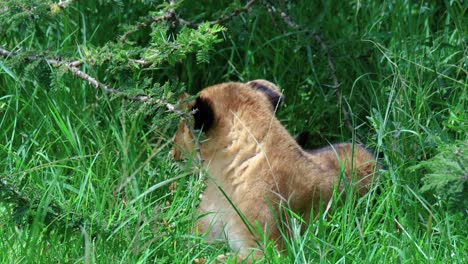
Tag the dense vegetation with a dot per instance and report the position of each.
(85, 171)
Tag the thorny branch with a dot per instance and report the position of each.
(290, 22)
(73, 68)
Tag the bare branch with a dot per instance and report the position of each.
(271, 12)
(220, 20)
(140, 62)
(64, 4)
(287, 19)
(336, 84)
(143, 25)
(331, 65)
(6, 53)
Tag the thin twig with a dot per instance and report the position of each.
(143, 25)
(64, 4)
(220, 20)
(331, 65)
(336, 84)
(272, 15)
(6, 53)
(287, 19)
(140, 62)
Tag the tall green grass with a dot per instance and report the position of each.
(87, 177)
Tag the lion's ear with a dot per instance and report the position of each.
(204, 115)
(269, 89)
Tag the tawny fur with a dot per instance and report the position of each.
(257, 163)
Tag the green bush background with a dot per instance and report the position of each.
(86, 175)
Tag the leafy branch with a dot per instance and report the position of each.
(72, 66)
(170, 15)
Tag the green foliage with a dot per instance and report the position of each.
(22, 16)
(446, 174)
(164, 48)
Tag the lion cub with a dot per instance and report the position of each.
(255, 161)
